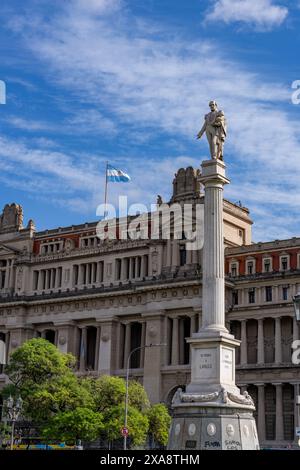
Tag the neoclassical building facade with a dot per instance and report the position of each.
(100, 299)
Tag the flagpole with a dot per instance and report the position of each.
(106, 192)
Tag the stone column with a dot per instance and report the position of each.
(83, 347)
(175, 345)
(46, 279)
(175, 253)
(169, 252)
(123, 269)
(279, 413)
(107, 360)
(194, 256)
(143, 342)
(12, 275)
(213, 303)
(189, 256)
(194, 326)
(243, 360)
(278, 348)
(260, 342)
(130, 261)
(295, 329)
(142, 266)
(97, 355)
(127, 345)
(181, 342)
(40, 280)
(153, 356)
(261, 414)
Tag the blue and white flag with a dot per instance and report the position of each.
(116, 176)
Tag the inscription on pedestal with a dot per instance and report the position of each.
(227, 364)
(205, 363)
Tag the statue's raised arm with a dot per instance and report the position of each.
(215, 128)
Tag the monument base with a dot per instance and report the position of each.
(212, 414)
(197, 427)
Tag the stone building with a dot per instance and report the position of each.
(99, 299)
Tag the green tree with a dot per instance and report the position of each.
(81, 423)
(109, 397)
(159, 423)
(37, 361)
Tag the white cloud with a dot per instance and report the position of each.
(263, 14)
(164, 83)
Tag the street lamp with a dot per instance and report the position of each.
(125, 431)
(13, 409)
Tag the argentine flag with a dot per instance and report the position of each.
(116, 176)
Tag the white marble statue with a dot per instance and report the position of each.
(215, 128)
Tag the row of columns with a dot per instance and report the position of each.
(132, 267)
(88, 273)
(260, 340)
(178, 339)
(260, 294)
(48, 279)
(261, 410)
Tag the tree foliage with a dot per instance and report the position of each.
(159, 423)
(66, 407)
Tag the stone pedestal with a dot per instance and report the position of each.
(212, 414)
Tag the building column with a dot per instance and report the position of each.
(143, 342)
(83, 345)
(40, 280)
(97, 352)
(189, 259)
(92, 273)
(260, 342)
(194, 326)
(295, 329)
(261, 414)
(169, 253)
(127, 345)
(243, 342)
(278, 348)
(279, 413)
(123, 262)
(142, 266)
(130, 261)
(194, 256)
(175, 253)
(47, 279)
(80, 274)
(175, 348)
(137, 267)
(6, 282)
(12, 275)
(181, 342)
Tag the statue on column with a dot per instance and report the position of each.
(215, 128)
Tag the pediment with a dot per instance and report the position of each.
(7, 250)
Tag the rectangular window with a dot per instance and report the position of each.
(285, 292)
(233, 270)
(251, 295)
(268, 293)
(250, 267)
(235, 297)
(284, 264)
(267, 265)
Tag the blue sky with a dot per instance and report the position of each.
(129, 81)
